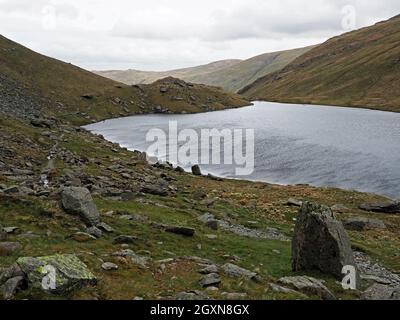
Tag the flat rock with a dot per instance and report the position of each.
(141, 261)
(294, 202)
(235, 271)
(211, 279)
(362, 223)
(124, 239)
(71, 273)
(308, 285)
(83, 237)
(209, 269)
(94, 231)
(383, 207)
(77, 200)
(279, 289)
(105, 227)
(192, 295)
(320, 242)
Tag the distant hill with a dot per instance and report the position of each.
(147, 77)
(356, 69)
(231, 75)
(32, 84)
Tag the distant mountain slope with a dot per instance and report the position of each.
(239, 75)
(147, 77)
(32, 84)
(231, 75)
(358, 69)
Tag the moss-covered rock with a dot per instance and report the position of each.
(68, 272)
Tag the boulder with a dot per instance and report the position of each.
(11, 287)
(382, 207)
(362, 223)
(76, 200)
(308, 285)
(196, 170)
(320, 242)
(70, 273)
(211, 279)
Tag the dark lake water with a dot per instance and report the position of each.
(294, 144)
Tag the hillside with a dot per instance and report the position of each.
(67, 92)
(117, 227)
(356, 69)
(231, 75)
(146, 77)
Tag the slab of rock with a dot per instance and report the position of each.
(362, 223)
(184, 231)
(383, 207)
(381, 292)
(8, 248)
(279, 289)
(196, 170)
(83, 237)
(308, 285)
(235, 271)
(11, 287)
(76, 200)
(192, 295)
(209, 269)
(320, 242)
(71, 273)
(123, 239)
(294, 202)
(211, 279)
(105, 227)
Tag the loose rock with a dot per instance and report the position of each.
(308, 285)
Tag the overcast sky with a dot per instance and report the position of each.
(166, 34)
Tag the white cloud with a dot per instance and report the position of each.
(163, 34)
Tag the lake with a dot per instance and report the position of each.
(294, 144)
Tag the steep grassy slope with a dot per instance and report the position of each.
(236, 77)
(231, 75)
(147, 77)
(357, 69)
(67, 92)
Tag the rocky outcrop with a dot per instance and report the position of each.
(320, 243)
(77, 200)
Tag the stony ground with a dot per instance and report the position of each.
(139, 257)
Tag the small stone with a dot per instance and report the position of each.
(212, 224)
(109, 266)
(196, 170)
(94, 231)
(209, 269)
(234, 295)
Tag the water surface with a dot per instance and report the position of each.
(294, 144)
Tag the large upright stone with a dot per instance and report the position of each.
(76, 200)
(320, 242)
